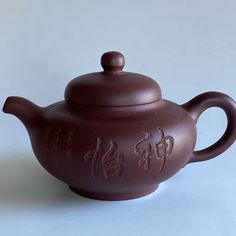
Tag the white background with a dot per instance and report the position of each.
(187, 46)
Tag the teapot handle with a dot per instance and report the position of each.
(213, 99)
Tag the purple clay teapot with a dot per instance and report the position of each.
(114, 137)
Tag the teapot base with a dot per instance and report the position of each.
(114, 196)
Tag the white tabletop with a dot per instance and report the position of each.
(199, 200)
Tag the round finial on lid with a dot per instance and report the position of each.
(112, 61)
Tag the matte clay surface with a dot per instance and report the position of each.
(114, 137)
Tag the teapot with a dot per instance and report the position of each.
(114, 137)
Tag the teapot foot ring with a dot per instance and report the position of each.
(114, 196)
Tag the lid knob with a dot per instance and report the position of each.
(112, 61)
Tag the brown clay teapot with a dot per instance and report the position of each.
(114, 137)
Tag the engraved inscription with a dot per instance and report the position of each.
(146, 148)
(56, 142)
(164, 148)
(105, 159)
(145, 152)
(69, 141)
(111, 162)
(67, 167)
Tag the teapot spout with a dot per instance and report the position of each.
(23, 109)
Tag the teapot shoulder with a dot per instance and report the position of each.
(165, 111)
(171, 111)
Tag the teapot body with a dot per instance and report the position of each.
(114, 137)
(114, 153)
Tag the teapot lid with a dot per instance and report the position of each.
(112, 87)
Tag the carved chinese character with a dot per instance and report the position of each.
(146, 148)
(105, 158)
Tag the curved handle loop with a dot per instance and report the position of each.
(213, 99)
